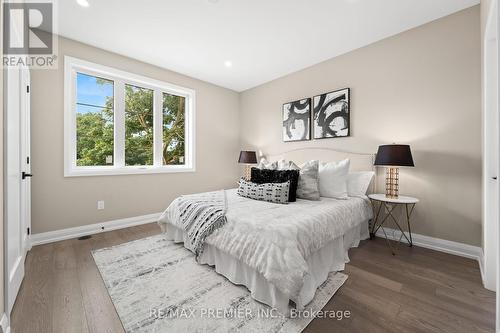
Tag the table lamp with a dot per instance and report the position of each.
(392, 157)
(247, 158)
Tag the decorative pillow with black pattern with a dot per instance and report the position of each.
(262, 176)
(270, 192)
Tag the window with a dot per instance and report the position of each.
(121, 123)
(94, 121)
(139, 119)
(173, 129)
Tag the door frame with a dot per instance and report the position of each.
(491, 105)
(490, 84)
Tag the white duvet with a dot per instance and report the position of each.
(277, 239)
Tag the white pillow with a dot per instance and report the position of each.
(277, 165)
(287, 165)
(333, 179)
(264, 164)
(358, 183)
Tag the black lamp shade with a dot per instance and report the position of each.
(394, 155)
(247, 157)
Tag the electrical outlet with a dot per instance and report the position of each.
(100, 204)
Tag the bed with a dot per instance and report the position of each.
(283, 253)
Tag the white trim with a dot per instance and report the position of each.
(481, 265)
(120, 79)
(158, 128)
(68, 233)
(4, 323)
(129, 78)
(127, 170)
(490, 260)
(490, 213)
(119, 125)
(437, 244)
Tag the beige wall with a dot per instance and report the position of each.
(421, 87)
(60, 202)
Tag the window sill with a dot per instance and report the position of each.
(110, 171)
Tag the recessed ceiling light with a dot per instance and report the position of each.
(228, 63)
(83, 3)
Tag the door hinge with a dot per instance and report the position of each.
(27, 89)
(28, 231)
(28, 160)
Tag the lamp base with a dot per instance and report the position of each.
(247, 173)
(392, 183)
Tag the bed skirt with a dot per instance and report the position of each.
(330, 258)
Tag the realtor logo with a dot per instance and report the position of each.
(28, 34)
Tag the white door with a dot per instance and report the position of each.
(17, 191)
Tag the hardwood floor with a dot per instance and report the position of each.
(418, 290)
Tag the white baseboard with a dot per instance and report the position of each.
(63, 234)
(481, 265)
(455, 248)
(438, 244)
(442, 245)
(4, 323)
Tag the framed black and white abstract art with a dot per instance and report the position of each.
(331, 113)
(297, 120)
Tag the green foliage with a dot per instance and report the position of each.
(138, 126)
(95, 130)
(173, 129)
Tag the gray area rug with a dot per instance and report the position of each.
(157, 286)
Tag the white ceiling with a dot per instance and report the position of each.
(263, 39)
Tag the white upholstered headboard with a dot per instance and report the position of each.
(359, 161)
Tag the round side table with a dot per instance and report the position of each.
(390, 204)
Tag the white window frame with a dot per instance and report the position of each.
(72, 66)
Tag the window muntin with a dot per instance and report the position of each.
(94, 121)
(179, 153)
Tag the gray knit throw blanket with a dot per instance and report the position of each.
(200, 215)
